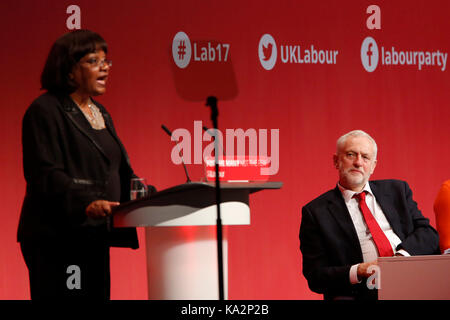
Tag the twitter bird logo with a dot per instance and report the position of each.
(267, 51)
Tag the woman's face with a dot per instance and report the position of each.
(91, 74)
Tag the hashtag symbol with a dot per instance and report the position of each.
(181, 50)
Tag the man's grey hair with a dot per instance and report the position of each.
(356, 133)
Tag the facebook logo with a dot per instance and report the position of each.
(369, 54)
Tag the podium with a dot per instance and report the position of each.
(414, 278)
(181, 244)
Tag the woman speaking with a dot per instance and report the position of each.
(76, 170)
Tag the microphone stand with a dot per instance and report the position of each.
(212, 103)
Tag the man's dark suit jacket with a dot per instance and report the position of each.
(330, 245)
(65, 170)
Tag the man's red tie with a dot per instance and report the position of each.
(381, 241)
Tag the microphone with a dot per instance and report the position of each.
(166, 130)
(179, 152)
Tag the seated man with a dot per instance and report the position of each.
(346, 229)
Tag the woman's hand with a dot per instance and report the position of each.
(100, 208)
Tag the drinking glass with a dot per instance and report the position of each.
(138, 189)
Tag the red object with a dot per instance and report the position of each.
(237, 169)
(381, 241)
(442, 212)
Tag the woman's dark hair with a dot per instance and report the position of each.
(64, 55)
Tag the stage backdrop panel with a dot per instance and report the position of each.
(311, 69)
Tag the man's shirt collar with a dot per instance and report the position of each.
(348, 194)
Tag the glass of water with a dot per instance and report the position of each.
(138, 189)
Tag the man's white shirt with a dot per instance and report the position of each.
(368, 247)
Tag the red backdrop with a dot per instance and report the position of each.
(403, 108)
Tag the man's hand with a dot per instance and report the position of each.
(100, 208)
(362, 269)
